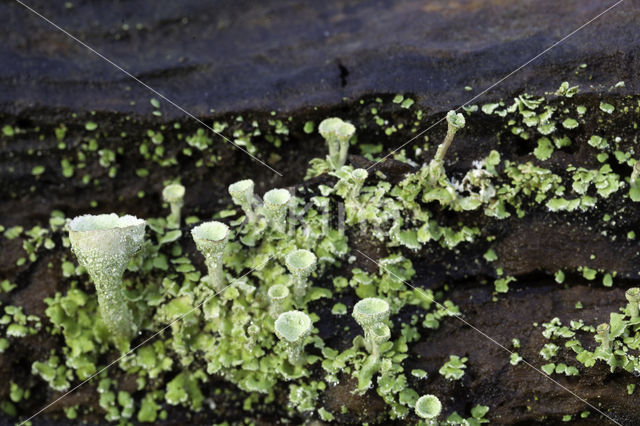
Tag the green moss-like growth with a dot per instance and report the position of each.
(104, 244)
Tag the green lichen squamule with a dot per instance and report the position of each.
(104, 245)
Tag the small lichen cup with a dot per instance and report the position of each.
(633, 297)
(104, 245)
(370, 313)
(278, 295)
(242, 195)
(292, 328)
(276, 204)
(428, 407)
(174, 195)
(337, 133)
(300, 263)
(211, 239)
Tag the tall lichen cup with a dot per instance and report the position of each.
(242, 195)
(211, 239)
(371, 313)
(300, 264)
(276, 204)
(455, 122)
(292, 328)
(633, 297)
(104, 245)
(174, 195)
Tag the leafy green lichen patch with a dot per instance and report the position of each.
(227, 329)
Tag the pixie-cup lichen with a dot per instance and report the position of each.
(276, 203)
(242, 195)
(211, 239)
(633, 297)
(301, 264)
(337, 133)
(278, 295)
(174, 195)
(371, 313)
(602, 331)
(104, 245)
(455, 122)
(428, 407)
(292, 328)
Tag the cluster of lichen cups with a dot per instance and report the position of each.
(104, 245)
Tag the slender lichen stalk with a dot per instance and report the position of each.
(633, 297)
(242, 195)
(211, 239)
(104, 245)
(174, 195)
(455, 122)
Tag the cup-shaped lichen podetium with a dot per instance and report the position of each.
(633, 297)
(428, 407)
(602, 331)
(371, 313)
(300, 264)
(337, 133)
(211, 239)
(174, 195)
(242, 195)
(276, 204)
(292, 328)
(104, 245)
(277, 294)
(455, 122)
